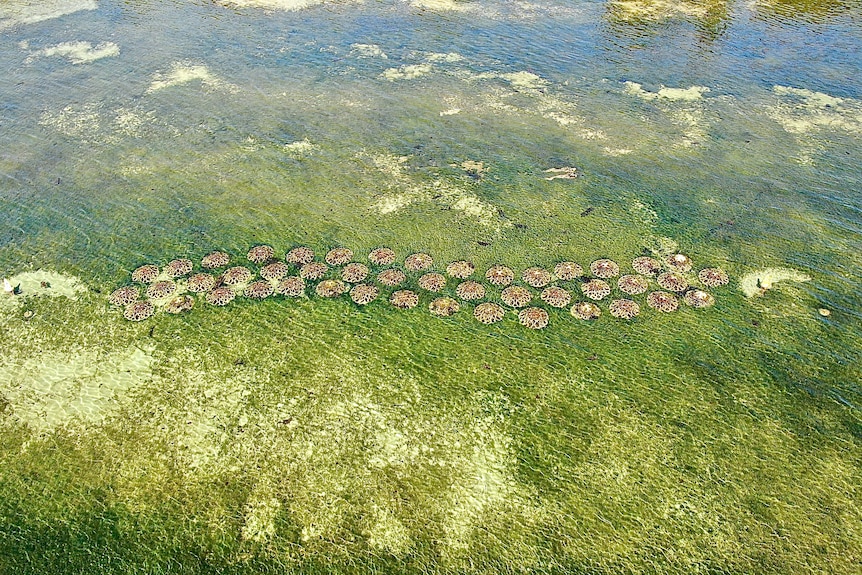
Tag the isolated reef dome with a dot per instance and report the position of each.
(178, 268)
(713, 277)
(331, 288)
(274, 271)
(124, 296)
(161, 289)
(258, 290)
(354, 273)
(237, 275)
(672, 281)
(662, 301)
(200, 282)
(444, 307)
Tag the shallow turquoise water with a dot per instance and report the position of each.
(315, 434)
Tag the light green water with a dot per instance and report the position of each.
(284, 436)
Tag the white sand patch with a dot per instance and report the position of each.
(444, 57)
(185, 72)
(441, 5)
(260, 512)
(525, 80)
(690, 94)
(90, 123)
(300, 148)
(80, 52)
(367, 51)
(802, 111)
(760, 281)
(386, 532)
(639, 10)
(285, 5)
(42, 283)
(15, 12)
(450, 112)
(56, 389)
(408, 72)
(615, 152)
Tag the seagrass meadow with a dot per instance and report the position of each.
(194, 418)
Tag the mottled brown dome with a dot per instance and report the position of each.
(713, 277)
(313, 271)
(444, 307)
(236, 275)
(556, 296)
(432, 282)
(291, 286)
(662, 301)
(274, 271)
(382, 257)
(500, 275)
(516, 296)
(533, 317)
(354, 273)
(300, 256)
(258, 290)
(646, 265)
(605, 268)
(632, 284)
(672, 281)
(200, 283)
(161, 289)
(391, 277)
(470, 290)
(586, 310)
(338, 256)
(404, 299)
(488, 313)
(568, 271)
(220, 296)
(178, 268)
(679, 262)
(461, 269)
(363, 294)
(417, 262)
(596, 289)
(180, 304)
(139, 311)
(331, 288)
(624, 308)
(698, 298)
(145, 274)
(260, 254)
(536, 277)
(215, 260)
(124, 296)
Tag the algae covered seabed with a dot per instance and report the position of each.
(315, 435)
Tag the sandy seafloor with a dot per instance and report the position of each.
(312, 434)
